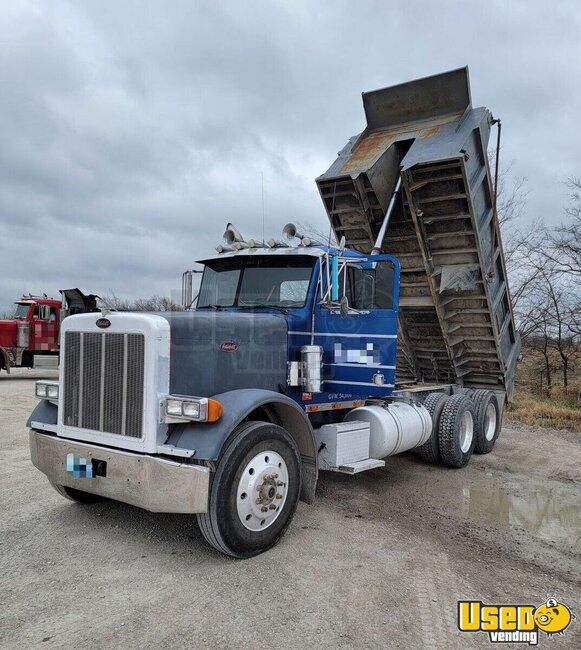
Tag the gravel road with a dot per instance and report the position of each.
(379, 561)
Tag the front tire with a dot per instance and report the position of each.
(254, 491)
(456, 431)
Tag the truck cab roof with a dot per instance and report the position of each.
(314, 250)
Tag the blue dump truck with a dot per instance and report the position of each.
(300, 356)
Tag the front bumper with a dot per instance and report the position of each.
(148, 482)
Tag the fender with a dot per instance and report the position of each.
(208, 439)
(44, 412)
(4, 360)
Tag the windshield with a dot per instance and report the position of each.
(256, 282)
(21, 310)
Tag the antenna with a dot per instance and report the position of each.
(262, 178)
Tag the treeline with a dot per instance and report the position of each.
(112, 301)
(153, 303)
(544, 265)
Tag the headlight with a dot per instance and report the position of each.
(47, 390)
(191, 410)
(52, 392)
(201, 409)
(41, 390)
(173, 407)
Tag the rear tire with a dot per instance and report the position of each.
(254, 491)
(430, 450)
(487, 424)
(456, 431)
(77, 495)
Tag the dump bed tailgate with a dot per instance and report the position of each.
(456, 321)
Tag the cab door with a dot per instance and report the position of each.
(44, 328)
(359, 333)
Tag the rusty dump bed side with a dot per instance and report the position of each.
(456, 322)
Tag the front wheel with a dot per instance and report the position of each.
(254, 491)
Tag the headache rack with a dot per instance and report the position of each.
(456, 322)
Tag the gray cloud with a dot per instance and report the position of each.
(133, 131)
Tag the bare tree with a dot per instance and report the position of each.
(156, 303)
(573, 318)
(566, 239)
(556, 314)
(512, 192)
(153, 303)
(540, 341)
(317, 234)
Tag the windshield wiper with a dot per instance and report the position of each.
(283, 310)
(214, 307)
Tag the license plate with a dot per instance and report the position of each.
(79, 467)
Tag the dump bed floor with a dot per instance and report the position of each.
(455, 320)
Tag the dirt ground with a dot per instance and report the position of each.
(379, 561)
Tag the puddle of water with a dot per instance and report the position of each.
(550, 513)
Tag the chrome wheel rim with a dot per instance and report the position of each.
(262, 491)
(466, 431)
(490, 422)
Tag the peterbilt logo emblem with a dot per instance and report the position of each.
(229, 346)
(103, 323)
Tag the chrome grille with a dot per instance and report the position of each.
(104, 382)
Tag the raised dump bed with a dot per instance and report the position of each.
(456, 321)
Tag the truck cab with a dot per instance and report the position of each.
(31, 338)
(340, 304)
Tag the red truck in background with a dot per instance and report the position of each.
(30, 339)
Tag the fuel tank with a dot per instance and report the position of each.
(394, 428)
(23, 334)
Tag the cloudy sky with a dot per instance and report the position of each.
(132, 131)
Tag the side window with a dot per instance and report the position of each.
(384, 285)
(42, 312)
(370, 288)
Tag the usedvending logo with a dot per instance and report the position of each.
(229, 346)
(514, 623)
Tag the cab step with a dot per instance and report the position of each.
(360, 466)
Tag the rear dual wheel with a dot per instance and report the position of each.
(456, 436)
(430, 450)
(487, 420)
(254, 491)
(468, 421)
